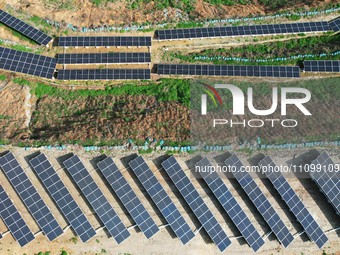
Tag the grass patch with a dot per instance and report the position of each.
(167, 90)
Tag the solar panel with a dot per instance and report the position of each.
(207, 32)
(294, 203)
(104, 74)
(330, 66)
(196, 203)
(103, 41)
(161, 199)
(96, 199)
(104, 58)
(335, 24)
(27, 63)
(13, 220)
(230, 205)
(260, 201)
(327, 178)
(128, 197)
(24, 28)
(229, 70)
(62, 197)
(29, 195)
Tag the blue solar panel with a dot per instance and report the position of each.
(327, 178)
(161, 199)
(230, 205)
(104, 74)
(96, 198)
(29, 195)
(196, 203)
(265, 29)
(128, 197)
(335, 24)
(260, 201)
(103, 41)
(104, 58)
(27, 63)
(328, 66)
(13, 220)
(62, 197)
(294, 203)
(229, 70)
(24, 28)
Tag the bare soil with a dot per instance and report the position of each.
(85, 13)
(109, 118)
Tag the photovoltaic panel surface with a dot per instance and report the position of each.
(329, 66)
(229, 70)
(260, 201)
(104, 58)
(311, 227)
(96, 199)
(327, 178)
(128, 197)
(161, 199)
(29, 195)
(196, 203)
(62, 197)
(104, 74)
(104, 41)
(206, 32)
(27, 63)
(23, 28)
(230, 205)
(13, 220)
(335, 24)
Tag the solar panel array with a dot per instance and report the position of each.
(128, 197)
(62, 197)
(260, 201)
(104, 58)
(330, 66)
(196, 203)
(27, 63)
(103, 41)
(161, 199)
(29, 195)
(243, 30)
(13, 220)
(230, 205)
(327, 178)
(23, 28)
(229, 70)
(311, 227)
(104, 74)
(96, 199)
(335, 24)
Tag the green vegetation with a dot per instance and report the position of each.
(309, 45)
(185, 5)
(44, 253)
(228, 2)
(3, 77)
(167, 90)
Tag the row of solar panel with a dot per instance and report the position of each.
(45, 67)
(119, 185)
(104, 58)
(329, 66)
(267, 29)
(225, 70)
(103, 41)
(24, 28)
(104, 74)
